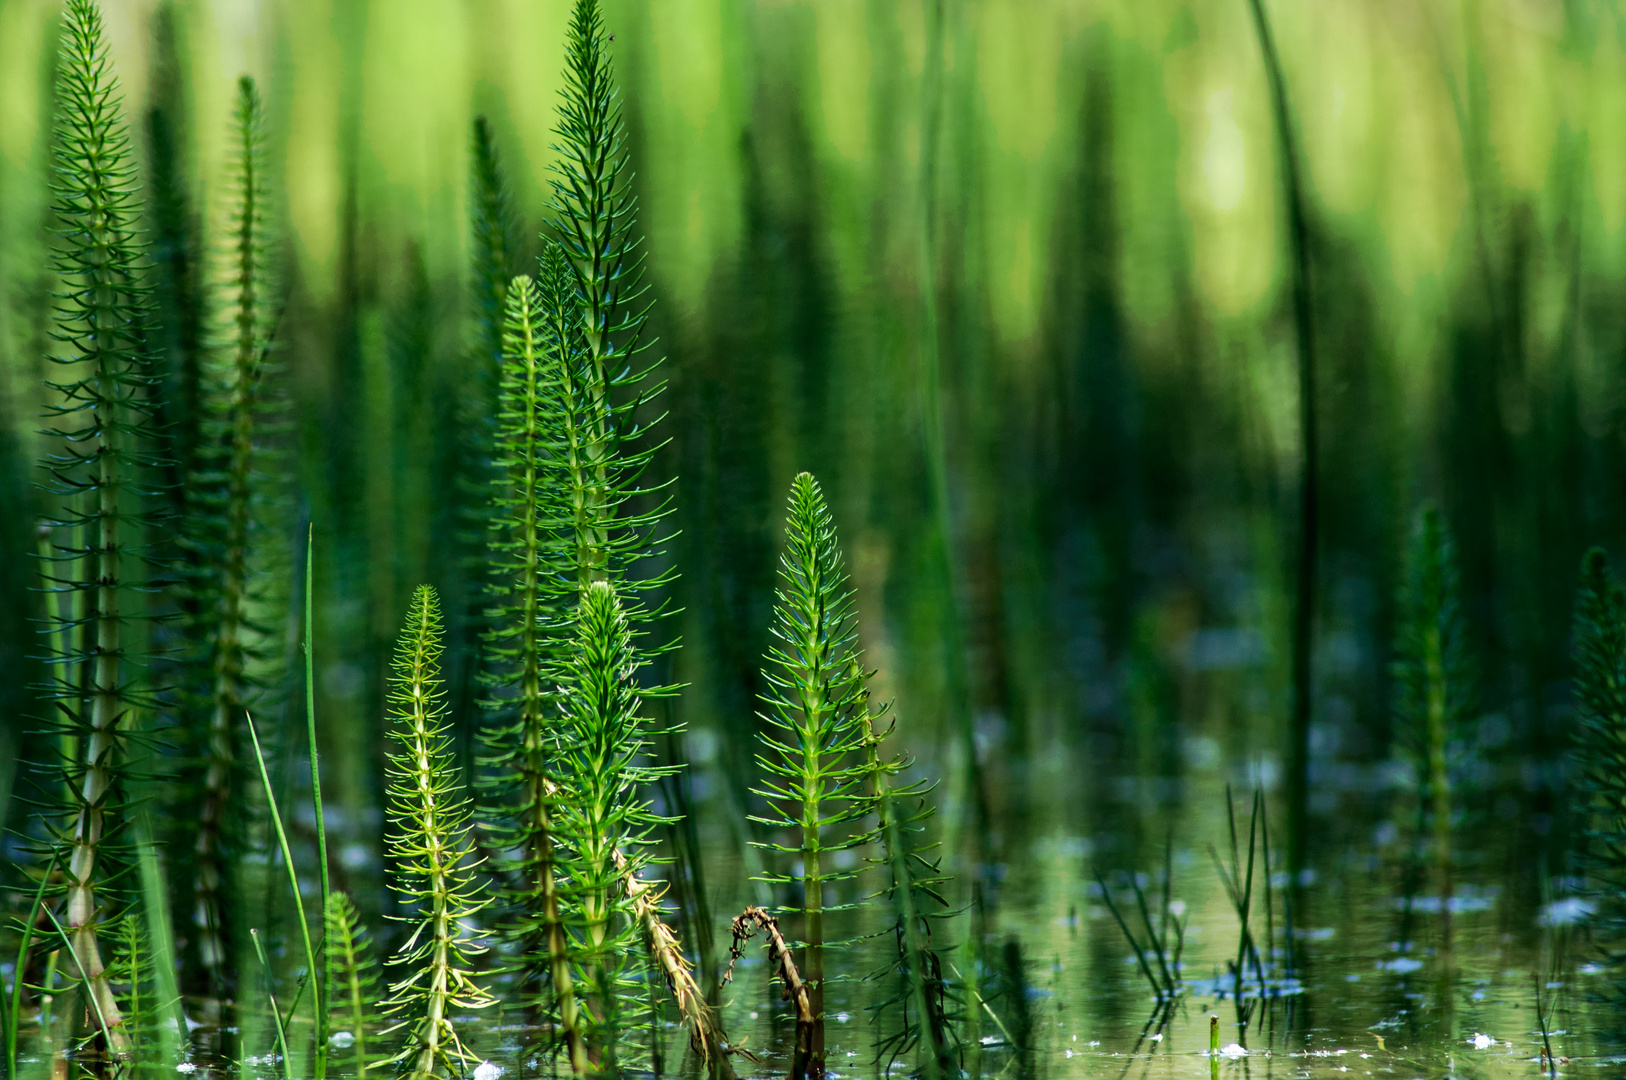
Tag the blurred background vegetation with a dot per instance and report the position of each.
(1011, 278)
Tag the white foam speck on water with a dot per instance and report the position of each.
(1158, 1037)
(842, 1017)
(342, 1039)
(186, 1067)
(487, 1071)
(1234, 1051)
(1402, 965)
(1482, 1041)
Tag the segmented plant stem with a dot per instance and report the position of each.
(227, 645)
(429, 847)
(100, 321)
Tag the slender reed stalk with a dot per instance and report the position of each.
(814, 743)
(170, 1010)
(14, 1015)
(278, 1022)
(320, 988)
(430, 849)
(1238, 879)
(1432, 674)
(312, 969)
(102, 476)
(1306, 573)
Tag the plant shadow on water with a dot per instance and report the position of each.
(1126, 727)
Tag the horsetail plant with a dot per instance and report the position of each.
(352, 978)
(606, 825)
(531, 573)
(1432, 672)
(231, 493)
(817, 731)
(914, 882)
(601, 333)
(1600, 698)
(430, 848)
(101, 474)
(494, 241)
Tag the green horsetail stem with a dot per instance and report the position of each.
(223, 524)
(352, 969)
(815, 736)
(914, 881)
(531, 577)
(430, 850)
(606, 825)
(104, 472)
(1432, 671)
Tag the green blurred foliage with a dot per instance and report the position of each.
(1102, 375)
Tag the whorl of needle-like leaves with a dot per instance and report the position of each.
(815, 726)
(101, 478)
(532, 575)
(1432, 672)
(916, 1015)
(1600, 705)
(234, 502)
(468, 509)
(605, 824)
(594, 215)
(352, 975)
(430, 854)
(493, 237)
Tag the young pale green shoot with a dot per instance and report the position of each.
(430, 852)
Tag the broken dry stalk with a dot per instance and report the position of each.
(745, 924)
(704, 1033)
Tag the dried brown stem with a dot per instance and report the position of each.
(745, 924)
(705, 1034)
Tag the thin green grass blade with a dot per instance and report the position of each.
(90, 995)
(293, 875)
(1140, 956)
(172, 1036)
(14, 1016)
(271, 993)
